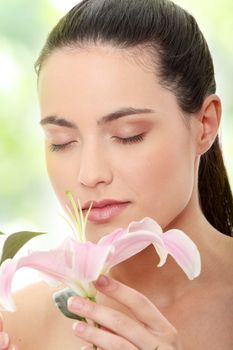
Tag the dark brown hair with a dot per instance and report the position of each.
(185, 67)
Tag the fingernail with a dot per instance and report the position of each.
(102, 281)
(75, 303)
(79, 327)
(4, 340)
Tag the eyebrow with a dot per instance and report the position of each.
(123, 112)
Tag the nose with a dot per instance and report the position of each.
(94, 167)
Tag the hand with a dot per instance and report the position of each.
(148, 330)
(4, 338)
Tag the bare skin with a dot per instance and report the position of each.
(159, 179)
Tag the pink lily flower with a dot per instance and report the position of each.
(77, 264)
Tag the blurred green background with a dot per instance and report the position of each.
(26, 199)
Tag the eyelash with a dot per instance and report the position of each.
(55, 148)
(132, 139)
(127, 140)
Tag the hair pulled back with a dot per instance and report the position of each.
(184, 65)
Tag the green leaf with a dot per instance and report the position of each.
(1, 233)
(15, 241)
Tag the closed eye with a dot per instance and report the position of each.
(130, 140)
(59, 147)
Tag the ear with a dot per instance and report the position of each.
(207, 123)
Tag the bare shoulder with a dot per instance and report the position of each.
(33, 309)
(207, 309)
(37, 323)
(216, 297)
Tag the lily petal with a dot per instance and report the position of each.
(89, 260)
(111, 237)
(7, 272)
(73, 264)
(51, 263)
(146, 224)
(133, 243)
(184, 251)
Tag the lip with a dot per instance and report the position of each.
(102, 203)
(105, 210)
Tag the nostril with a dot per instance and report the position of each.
(94, 179)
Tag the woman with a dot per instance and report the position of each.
(131, 118)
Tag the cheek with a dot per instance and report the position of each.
(60, 174)
(159, 164)
(162, 180)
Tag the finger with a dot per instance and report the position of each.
(141, 307)
(4, 340)
(121, 324)
(100, 338)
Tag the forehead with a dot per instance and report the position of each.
(97, 80)
(96, 65)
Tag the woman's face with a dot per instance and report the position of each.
(145, 159)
